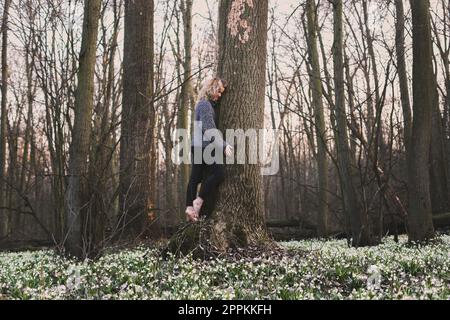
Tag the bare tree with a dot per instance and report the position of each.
(102, 203)
(358, 220)
(401, 66)
(186, 101)
(420, 222)
(4, 214)
(316, 87)
(79, 236)
(238, 218)
(137, 147)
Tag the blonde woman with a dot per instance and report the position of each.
(205, 119)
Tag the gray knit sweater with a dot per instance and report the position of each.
(205, 118)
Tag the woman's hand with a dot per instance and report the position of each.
(229, 150)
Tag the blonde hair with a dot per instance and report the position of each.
(211, 87)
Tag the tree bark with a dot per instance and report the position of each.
(186, 97)
(401, 67)
(371, 51)
(237, 220)
(102, 151)
(4, 214)
(316, 87)
(360, 230)
(79, 242)
(439, 190)
(420, 223)
(137, 149)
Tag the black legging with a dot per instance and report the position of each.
(210, 183)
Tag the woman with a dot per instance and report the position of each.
(205, 120)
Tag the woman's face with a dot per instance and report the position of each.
(219, 93)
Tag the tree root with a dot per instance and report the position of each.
(197, 239)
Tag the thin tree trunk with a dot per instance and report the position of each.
(316, 85)
(103, 148)
(401, 66)
(78, 241)
(358, 221)
(31, 92)
(378, 130)
(352, 108)
(4, 214)
(185, 101)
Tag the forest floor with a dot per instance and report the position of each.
(310, 269)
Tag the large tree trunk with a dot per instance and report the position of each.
(137, 167)
(4, 214)
(439, 169)
(420, 223)
(316, 87)
(238, 218)
(360, 229)
(79, 242)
